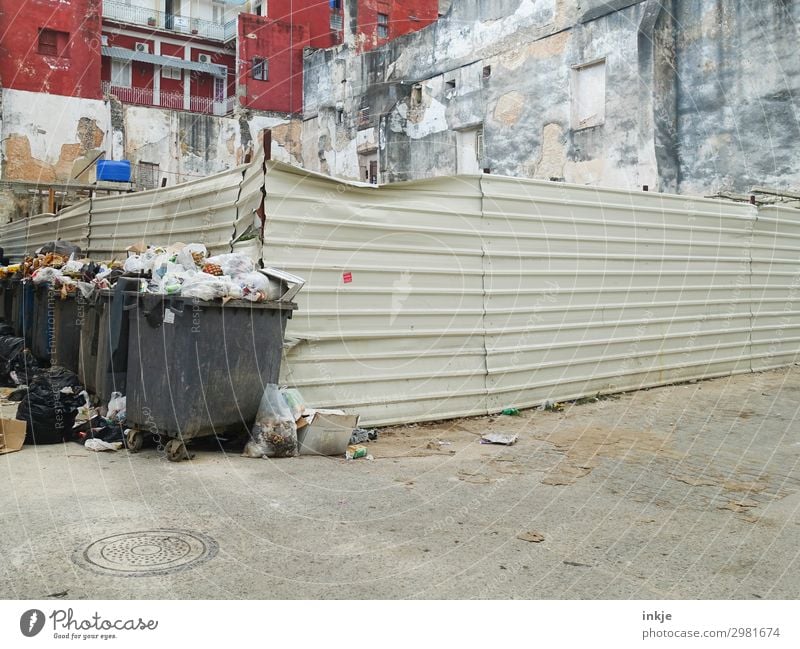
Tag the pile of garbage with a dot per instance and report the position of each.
(187, 270)
(286, 426)
(180, 269)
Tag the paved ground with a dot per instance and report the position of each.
(688, 491)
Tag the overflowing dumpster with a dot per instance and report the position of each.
(170, 344)
(198, 368)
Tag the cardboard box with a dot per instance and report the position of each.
(327, 434)
(12, 435)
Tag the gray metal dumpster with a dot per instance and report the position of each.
(198, 368)
(68, 319)
(42, 329)
(103, 363)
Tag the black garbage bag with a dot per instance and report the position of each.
(15, 358)
(59, 247)
(51, 405)
(6, 329)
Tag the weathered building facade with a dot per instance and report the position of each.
(686, 96)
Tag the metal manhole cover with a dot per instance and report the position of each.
(144, 554)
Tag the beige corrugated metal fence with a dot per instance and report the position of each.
(465, 295)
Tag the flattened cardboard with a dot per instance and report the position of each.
(327, 434)
(12, 435)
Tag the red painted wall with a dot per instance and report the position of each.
(314, 15)
(141, 73)
(76, 72)
(405, 16)
(282, 45)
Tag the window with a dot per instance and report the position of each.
(147, 175)
(53, 43)
(588, 95)
(172, 73)
(218, 12)
(336, 22)
(450, 85)
(260, 69)
(487, 71)
(260, 8)
(336, 5)
(120, 73)
(383, 25)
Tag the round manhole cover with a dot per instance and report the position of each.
(143, 554)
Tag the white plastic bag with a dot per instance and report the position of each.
(116, 407)
(45, 275)
(274, 433)
(205, 287)
(233, 264)
(72, 267)
(192, 256)
(254, 286)
(133, 264)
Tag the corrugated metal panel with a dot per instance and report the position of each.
(402, 341)
(248, 201)
(26, 235)
(594, 290)
(776, 288)
(202, 211)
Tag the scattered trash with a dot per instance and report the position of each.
(116, 407)
(51, 405)
(274, 433)
(531, 537)
(12, 435)
(498, 438)
(327, 434)
(552, 406)
(437, 444)
(511, 412)
(362, 435)
(356, 452)
(99, 445)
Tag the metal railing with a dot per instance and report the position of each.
(169, 100)
(125, 13)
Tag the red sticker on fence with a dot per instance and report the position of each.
(347, 277)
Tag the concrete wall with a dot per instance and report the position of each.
(697, 96)
(73, 68)
(44, 135)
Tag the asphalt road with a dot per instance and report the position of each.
(687, 491)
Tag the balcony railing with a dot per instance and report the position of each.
(145, 17)
(170, 100)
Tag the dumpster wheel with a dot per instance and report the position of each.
(176, 451)
(135, 439)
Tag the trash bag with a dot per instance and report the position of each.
(274, 433)
(17, 364)
(254, 286)
(6, 330)
(192, 256)
(116, 407)
(233, 264)
(50, 407)
(59, 247)
(206, 287)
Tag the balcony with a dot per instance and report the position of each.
(124, 13)
(170, 100)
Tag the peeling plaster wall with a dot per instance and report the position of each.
(693, 90)
(43, 135)
(739, 98)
